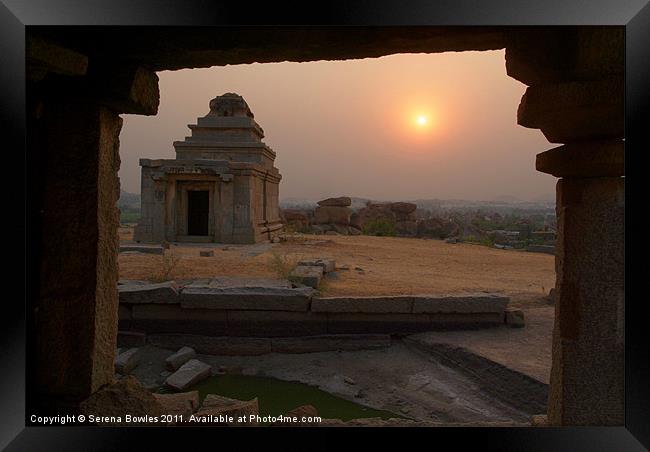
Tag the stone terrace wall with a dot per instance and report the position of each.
(277, 311)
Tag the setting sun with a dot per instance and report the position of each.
(422, 120)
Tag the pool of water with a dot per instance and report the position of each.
(276, 397)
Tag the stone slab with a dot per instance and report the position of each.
(584, 159)
(307, 275)
(126, 361)
(142, 249)
(314, 344)
(466, 303)
(246, 298)
(208, 345)
(163, 293)
(343, 201)
(390, 304)
(190, 373)
(208, 253)
(183, 355)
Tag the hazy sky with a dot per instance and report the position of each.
(351, 127)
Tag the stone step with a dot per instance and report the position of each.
(138, 293)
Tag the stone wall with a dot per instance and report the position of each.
(272, 311)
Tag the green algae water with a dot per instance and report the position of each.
(276, 397)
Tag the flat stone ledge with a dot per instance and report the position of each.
(138, 293)
(588, 159)
(247, 298)
(468, 304)
(393, 304)
(142, 249)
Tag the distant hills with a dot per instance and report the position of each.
(128, 200)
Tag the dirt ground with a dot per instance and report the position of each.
(377, 265)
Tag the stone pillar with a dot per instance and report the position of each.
(576, 97)
(76, 311)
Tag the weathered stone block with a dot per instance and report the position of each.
(588, 159)
(183, 355)
(331, 214)
(126, 361)
(208, 345)
(125, 396)
(315, 344)
(307, 275)
(276, 323)
(389, 304)
(164, 292)
(180, 403)
(575, 111)
(328, 265)
(174, 319)
(188, 374)
(342, 201)
(466, 303)
(360, 323)
(242, 298)
(206, 253)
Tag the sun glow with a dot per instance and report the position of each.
(422, 120)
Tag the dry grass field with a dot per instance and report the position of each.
(376, 265)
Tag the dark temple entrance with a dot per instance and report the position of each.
(197, 212)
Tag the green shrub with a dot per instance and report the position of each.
(382, 227)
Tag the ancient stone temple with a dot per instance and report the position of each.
(222, 186)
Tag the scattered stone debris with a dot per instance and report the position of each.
(183, 355)
(349, 381)
(452, 240)
(126, 361)
(206, 253)
(343, 267)
(126, 396)
(188, 374)
(308, 275)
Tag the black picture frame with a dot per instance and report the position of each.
(16, 15)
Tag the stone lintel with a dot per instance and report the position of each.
(45, 56)
(128, 89)
(583, 159)
(575, 111)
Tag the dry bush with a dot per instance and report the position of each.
(168, 263)
(281, 264)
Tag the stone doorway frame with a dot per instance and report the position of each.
(101, 111)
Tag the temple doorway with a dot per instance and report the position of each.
(198, 208)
